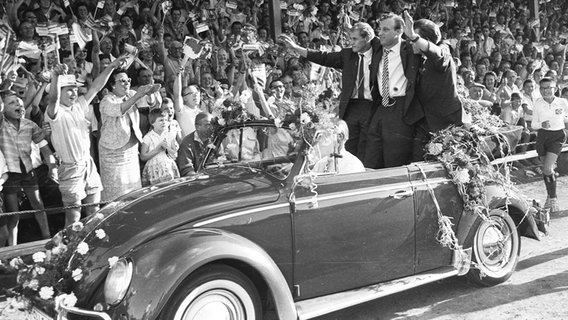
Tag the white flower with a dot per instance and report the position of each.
(59, 249)
(39, 257)
(77, 226)
(112, 261)
(221, 122)
(40, 270)
(14, 304)
(33, 284)
(211, 146)
(305, 118)
(67, 300)
(100, 233)
(16, 262)
(435, 148)
(98, 216)
(245, 96)
(298, 6)
(46, 293)
(82, 248)
(77, 274)
(278, 123)
(292, 126)
(462, 176)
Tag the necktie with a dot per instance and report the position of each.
(361, 79)
(385, 81)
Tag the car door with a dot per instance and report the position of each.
(429, 178)
(357, 230)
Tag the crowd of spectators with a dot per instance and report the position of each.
(186, 57)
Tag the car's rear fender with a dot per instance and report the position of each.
(517, 208)
(161, 265)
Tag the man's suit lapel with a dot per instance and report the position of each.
(404, 54)
(377, 55)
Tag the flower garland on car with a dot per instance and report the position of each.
(464, 152)
(314, 114)
(49, 279)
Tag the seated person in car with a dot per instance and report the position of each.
(249, 150)
(331, 156)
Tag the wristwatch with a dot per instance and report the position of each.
(415, 39)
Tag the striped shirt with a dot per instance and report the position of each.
(17, 144)
(70, 132)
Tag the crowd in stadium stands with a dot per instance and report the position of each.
(100, 95)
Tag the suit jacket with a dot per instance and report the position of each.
(437, 89)
(190, 154)
(347, 60)
(410, 63)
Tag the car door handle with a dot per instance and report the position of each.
(402, 194)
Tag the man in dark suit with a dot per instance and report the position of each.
(358, 79)
(437, 89)
(193, 147)
(391, 131)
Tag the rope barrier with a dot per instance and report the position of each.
(48, 210)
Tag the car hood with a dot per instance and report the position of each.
(149, 212)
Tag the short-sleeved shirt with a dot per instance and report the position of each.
(186, 119)
(556, 112)
(16, 143)
(70, 132)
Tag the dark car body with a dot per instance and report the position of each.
(360, 230)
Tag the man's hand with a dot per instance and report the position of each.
(60, 69)
(408, 27)
(288, 42)
(53, 174)
(149, 88)
(118, 62)
(545, 124)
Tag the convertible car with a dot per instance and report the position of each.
(257, 230)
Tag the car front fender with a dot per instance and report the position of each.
(161, 265)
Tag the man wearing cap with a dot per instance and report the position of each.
(79, 181)
(476, 94)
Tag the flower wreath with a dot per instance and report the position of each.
(464, 152)
(49, 279)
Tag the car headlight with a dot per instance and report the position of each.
(117, 281)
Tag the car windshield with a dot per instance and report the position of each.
(268, 148)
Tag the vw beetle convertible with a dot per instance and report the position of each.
(255, 229)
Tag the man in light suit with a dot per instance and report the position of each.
(391, 131)
(359, 64)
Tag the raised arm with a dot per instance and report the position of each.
(99, 83)
(54, 90)
(178, 100)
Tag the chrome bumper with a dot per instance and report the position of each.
(63, 311)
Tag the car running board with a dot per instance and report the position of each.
(316, 307)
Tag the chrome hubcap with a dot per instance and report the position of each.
(216, 300)
(495, 244)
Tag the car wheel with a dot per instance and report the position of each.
(215, 292)
(496, 247)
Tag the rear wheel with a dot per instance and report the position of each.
(215, 292)
(496, 247)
